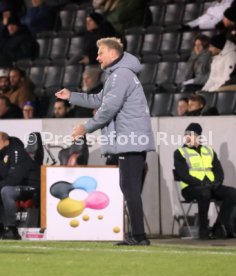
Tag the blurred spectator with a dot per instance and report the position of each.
(19, 44)
(28, 110)
(96, 28)
(40, 17)
(230, 85)
(91, 85)
(61, 3)
(197, 106)
(4, 81)
(99, 5)
(125, 14)
(15, 7)
(62, 109)
(8, 110)
(182, 106)
(22, 88)
(91, 80)
(229, 22)
(196, 103)
(212, 16)
(198, 65)
(5, 15)
(223, 63)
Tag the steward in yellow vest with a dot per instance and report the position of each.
(201, 175)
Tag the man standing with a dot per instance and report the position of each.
(201, 175)
(123, 116)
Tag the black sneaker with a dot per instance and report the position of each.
(133, 242)
(11, 233)
(1, 230)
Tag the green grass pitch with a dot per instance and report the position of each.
(23, 258)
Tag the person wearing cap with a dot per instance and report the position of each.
(19, 44)
(28, 110)
(229, 23)
(223, 62)
(202, 176)
(4, 81)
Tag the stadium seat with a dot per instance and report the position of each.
(35, 150)
(134, 39)
(148, 72)
(73, 76)
(180, 72)
(191, 11)
(157, 14)
(173, 15)
(169, 43)
(53, 77)
(186, 44)
(67, 18)
(161, 104)
(210, 97)
(165, 76)
(187, 219)
(76, 46)
(151, 42)
(76, 154)
(59, 47)
(149, 91)
(37, 75)
(80, 21)
(44, 47)
(226, 102)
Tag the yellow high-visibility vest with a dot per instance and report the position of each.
(200, 165)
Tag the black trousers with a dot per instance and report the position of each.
(9, 195)
(203, 195)
(131, 167)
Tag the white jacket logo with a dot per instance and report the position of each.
(136, 80)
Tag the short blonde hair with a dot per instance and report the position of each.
(112, 43)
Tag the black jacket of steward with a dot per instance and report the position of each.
(16, 166)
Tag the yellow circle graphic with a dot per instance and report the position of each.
(116, 229)
(74, 223)
(70, 208)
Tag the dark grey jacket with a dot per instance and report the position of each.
(198, 67)
(123, 113)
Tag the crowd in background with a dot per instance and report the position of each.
(210, 66)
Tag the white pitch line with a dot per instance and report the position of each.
(118, 250)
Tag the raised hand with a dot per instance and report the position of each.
(78, 132)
